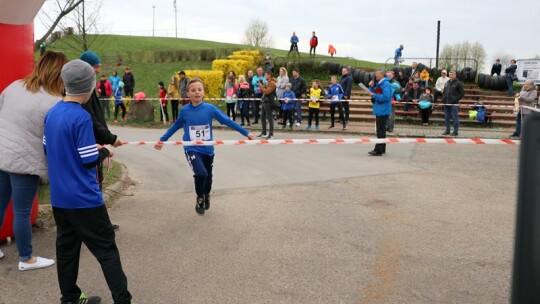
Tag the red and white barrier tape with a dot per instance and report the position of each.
(337, 141)
(531, 108)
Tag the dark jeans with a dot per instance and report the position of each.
(105, 105)
(116, 107)
(165, 111)
(346, 111)
(255, 107)
(312, 49)
(266, 113)
(380, 124)
(313, 112)
(333, 113)
(424, 113)
(92, 227)
(174, 108)
(244, 111)
(518, 125)
(230, 110)
(436, 95)
(128, 91)
(287, 115)
(451, 112)
(510, 84)
(22, 189)
(202, 165)
(294, 47)
(391, 120)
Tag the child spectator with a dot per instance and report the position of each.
(119, 102)
(424, 77)
(314, 104)
(174, 93)
(104, 90)
(335, 93)
(243, 92)
(425, 104)
(114, 79)
(78, 208)
(287, 106)
(163, 102)
(416, 76)
(196, 120)
(231, 89)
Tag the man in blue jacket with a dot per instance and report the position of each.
(294, 43)
(346, 82)
(397, 55)
(381, 94)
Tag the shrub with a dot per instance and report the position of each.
(213, 81)
(208, 55)
(239, 67)
(252, 61)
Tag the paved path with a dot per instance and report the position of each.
(305, 224)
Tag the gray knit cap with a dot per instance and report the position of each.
(79, 77)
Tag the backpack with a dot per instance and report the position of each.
(481, 114)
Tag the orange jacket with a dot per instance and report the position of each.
(331, 49)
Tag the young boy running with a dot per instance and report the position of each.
(78, 208)
(196, 120)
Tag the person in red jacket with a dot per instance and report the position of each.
(313, 42)
(104, 90)
(331, 50)
(163, 100)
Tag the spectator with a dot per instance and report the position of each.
(231, 89)
(313, 42)
(267, 62)
(281, 82)
(243, 92)
(452, 94)
(287, 106)
(256, 81)
(526, 97)
(174, 94)
(496, 68)
(114, 79)
(397, 55)
(249, 79)
(129, 82)
(299, 88)
(346, 82)
(410, 71)
(182, 87)
(331, 50)
(294, 43)
(413, 95)
(104, 90)
(511, 76)
(24, 104)
(119, 103)
(163, 102)
(425, 104)
(424, 77)
(416, 76)
(381, 92)
(396, 96)
(402, 79)
(335, 93)
(439, 85)
(315, 93)
(268, 89)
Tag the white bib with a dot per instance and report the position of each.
(200, 133)
(335, 98)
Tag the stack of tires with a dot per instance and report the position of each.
(489, 82)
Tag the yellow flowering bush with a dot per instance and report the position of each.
(250, 59)
(239, 67)
(213, 81)
(258, 56)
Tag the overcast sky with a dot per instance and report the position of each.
(368, 30)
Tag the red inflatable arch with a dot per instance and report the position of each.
(16, 61)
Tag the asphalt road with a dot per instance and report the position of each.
(304, 224)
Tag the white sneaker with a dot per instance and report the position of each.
(40, 263)
(1, 254)
(288, 124)
(298, 124)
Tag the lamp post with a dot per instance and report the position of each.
(175, 20)
(153, 20)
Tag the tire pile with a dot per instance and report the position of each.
(489, 82)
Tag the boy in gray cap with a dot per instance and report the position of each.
(78, 208)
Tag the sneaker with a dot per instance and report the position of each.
(115, 121)
(1, 254)
(308, 128)
(288, 124)
(445, 134)
(270, 136)
(317, 128)
(83, 299)
(124, 119)
(40, 263)
(331, 126)
(115, 227)
(298, 124)
(262, 135)
(375, 153)
(454, 134)
(344, 127)
(199, 206)
(207, 202)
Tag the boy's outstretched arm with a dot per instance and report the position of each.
(177, 125)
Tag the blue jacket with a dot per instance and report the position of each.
(115, 80)
(382, 101)
(118, 96)
(294, 39)
(335, 90)
(255, 83)
(398, 53)
(288, 106)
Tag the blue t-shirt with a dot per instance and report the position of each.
(69, 144)
(197, 124)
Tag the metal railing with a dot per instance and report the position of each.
(444, 63)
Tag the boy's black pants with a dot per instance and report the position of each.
(92, 227)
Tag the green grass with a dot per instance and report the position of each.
(111, 178)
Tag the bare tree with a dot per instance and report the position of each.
(51, 17)
(257, 34)
(463, 54)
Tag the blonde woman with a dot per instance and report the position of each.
(174, 94)
(23, 106)
(281, 83)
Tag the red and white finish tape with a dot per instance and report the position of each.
(336, 141)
